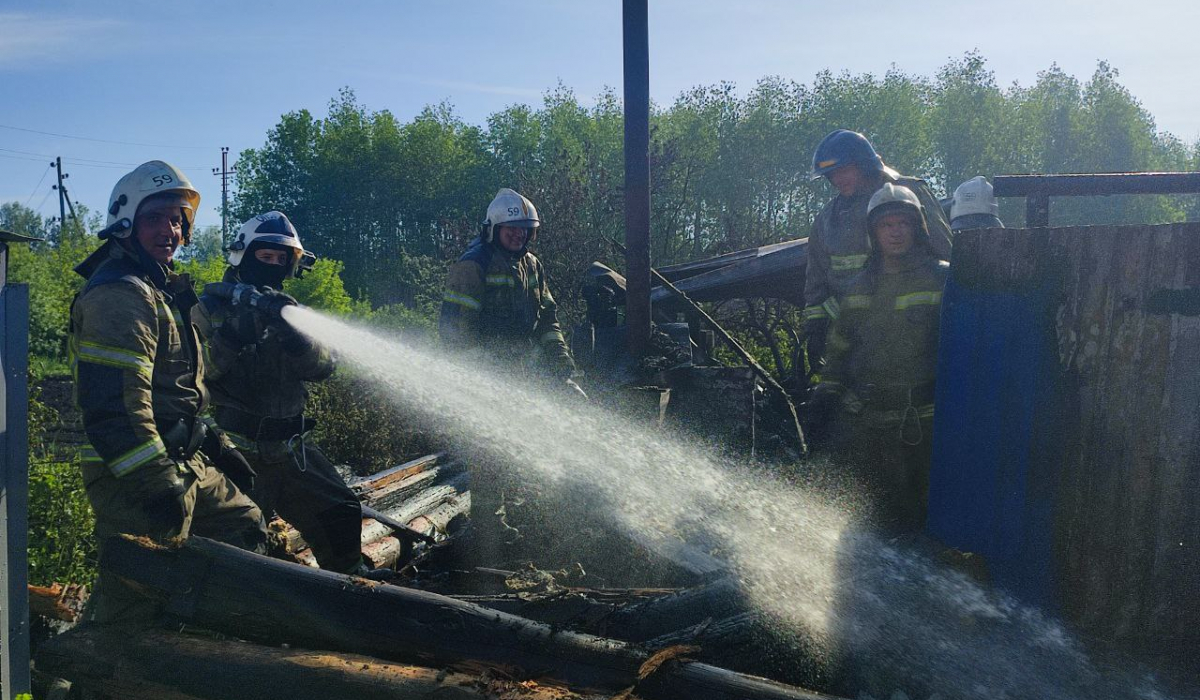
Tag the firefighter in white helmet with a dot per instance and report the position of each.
(497, 296)
(497, 302)
(882, 360)
(974, 206)
(259, 368)
(151, 467)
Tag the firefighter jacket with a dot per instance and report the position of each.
(838, 246)
(260, 379)
(883, 345)
(501, 302)
(139, 375)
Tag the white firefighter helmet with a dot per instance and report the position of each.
(510, 208)
(893, 197)
(149, 180)
(272, 228)
(896, 199)
(974, 196)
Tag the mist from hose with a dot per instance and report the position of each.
(803, 561)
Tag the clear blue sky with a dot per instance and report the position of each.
(191, 77)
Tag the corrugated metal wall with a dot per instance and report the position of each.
(1067, 434)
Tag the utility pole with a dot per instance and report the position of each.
(62, 197)
(224, 172)
(637, 174)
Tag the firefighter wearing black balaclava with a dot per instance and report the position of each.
(259, 367)
(497, 297)
(151, 467)
(882, 360)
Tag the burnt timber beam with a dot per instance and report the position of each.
(228, 590)
(163, 665)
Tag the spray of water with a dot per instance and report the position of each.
(798, 554)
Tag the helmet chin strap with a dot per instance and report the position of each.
(156, 270)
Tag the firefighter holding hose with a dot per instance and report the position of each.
(259, 368)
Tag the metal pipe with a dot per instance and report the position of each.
(1095, 184)
(738, 350)
(637, 174)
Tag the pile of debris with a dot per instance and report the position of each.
(247, 626)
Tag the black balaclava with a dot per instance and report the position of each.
(260, 274)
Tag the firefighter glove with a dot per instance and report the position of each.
(160, 491)
(242, 328)
(815, 332)
(229, 460)
(291, 340)
(272, 303)
(242, 294)
(233, 464)
(823, 401)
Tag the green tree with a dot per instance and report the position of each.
(321, 288)
(206, 245)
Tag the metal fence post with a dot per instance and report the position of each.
(14, 481)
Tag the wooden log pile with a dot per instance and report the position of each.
(205, 584)
(430, 494)
(534, 636)
(157, 664)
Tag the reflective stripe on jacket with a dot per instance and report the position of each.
(260, 378)
(838, 247)
(135, 362)
(503, 303)
(886, 336)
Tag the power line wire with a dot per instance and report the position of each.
(32, 160)
(43, 202)
(83, 162)
(85, 138)
(35, 187)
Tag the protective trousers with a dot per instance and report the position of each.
(894, 473)
(300, 484)
(214, 509)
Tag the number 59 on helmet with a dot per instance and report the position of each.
(147, 180)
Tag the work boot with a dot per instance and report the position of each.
(365, 571)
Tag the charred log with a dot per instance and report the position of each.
(161, 665)
(665, 615)
(235, 592)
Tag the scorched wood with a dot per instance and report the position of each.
(162, 665)
(226, 589)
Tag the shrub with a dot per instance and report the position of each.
(62, 547)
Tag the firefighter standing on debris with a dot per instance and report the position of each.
(498, 298)
(259, 365)
(838, 245)
(879, 379)
(140, 384)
